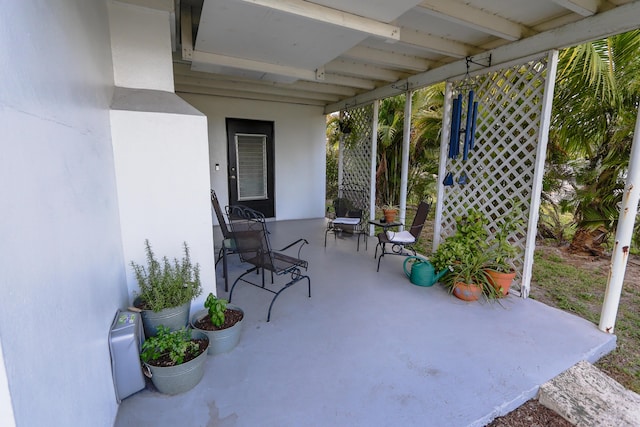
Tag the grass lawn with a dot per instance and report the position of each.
(576, 283)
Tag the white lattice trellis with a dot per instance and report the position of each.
(499, 173)
(356, 157)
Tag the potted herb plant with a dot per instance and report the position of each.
(501, 252)
(221, 322)
(175, 359)
(469, 280)
(390, 212)
(166, 290)
(465, 254)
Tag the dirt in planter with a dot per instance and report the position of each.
(165, 361)
(231, 317)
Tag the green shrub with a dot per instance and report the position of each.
(216, 308)
(176, 345)
(164, 284)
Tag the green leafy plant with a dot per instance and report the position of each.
(175, 345)
(465, 253)
(470, 237)
(389, 207)
(164, 284)
(216, 308)
(501, 251)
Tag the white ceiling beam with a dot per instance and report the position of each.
(615, 21)
(581, 7)
(388, 59)
(478, 19)
(436, 44)
(249, 64)
(164, 5)
(186, 32)
(348, 68)
(356, 82)
(235, 93)
(184, 69)
(332, 16)
(254, 88)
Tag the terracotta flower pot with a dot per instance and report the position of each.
(501, 281)
(467, 292)
(389, 215)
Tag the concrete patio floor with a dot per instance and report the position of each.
(371, 349)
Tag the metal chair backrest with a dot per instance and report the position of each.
(420, 218)
(355, 194)
(251, 236)
(216, 207)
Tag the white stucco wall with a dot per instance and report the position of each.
(162, 171)
(141, 39)
(62, 275)
(300, 162)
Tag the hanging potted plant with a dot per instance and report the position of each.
(500, 264)
(166, 290)
(221, 322)
(174, 360)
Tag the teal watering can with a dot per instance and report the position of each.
(422, 272)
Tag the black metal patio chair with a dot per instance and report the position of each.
(402, 242)
(348, 214)
(252, 244)
(228, 245)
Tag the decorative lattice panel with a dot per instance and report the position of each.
(356, 160)
(498, 173)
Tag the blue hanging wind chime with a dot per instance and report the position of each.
(470, 126)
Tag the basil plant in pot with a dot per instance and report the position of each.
(221, 322)
(166, 290)
(465, 254)
(174, 360)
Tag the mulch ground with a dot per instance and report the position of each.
(531, 414)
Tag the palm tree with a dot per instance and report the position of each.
(426, 114)
(333, 140)
(597, 94)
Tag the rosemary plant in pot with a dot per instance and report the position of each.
(174, 360)
(221, 322)
(166, 290)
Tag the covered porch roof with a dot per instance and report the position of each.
(342, 54)
(371, 349)
(335, 53)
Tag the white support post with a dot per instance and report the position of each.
(406, 146)
(536, 189)
(340, 156)
(442, 168)
(626, 222)
(374, 156)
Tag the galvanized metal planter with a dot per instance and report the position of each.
(223, 340)
(180, 378)
(173, 318)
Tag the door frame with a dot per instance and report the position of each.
(237, 126)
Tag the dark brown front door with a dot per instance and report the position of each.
(251, 156)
